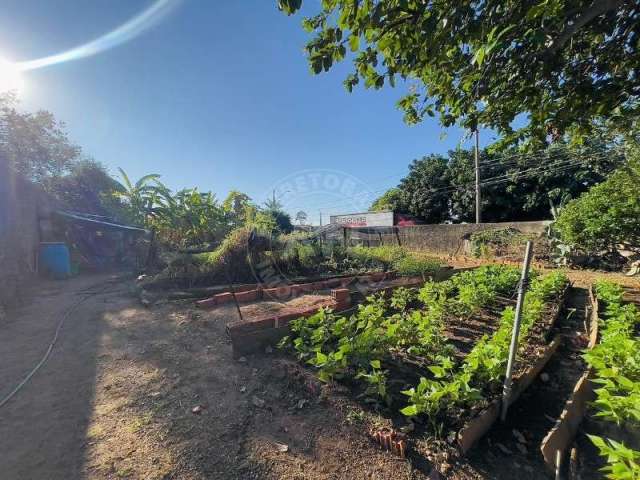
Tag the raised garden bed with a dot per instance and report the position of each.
(558, 440)
(435, 356)
(266, 322)
(283, 292)
(612, 421)
(269, 320)
(360, 286)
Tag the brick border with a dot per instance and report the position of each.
(285, 292)
(250, 336)
(253, 335)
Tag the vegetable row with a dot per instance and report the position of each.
(410, 325)
(616, 364)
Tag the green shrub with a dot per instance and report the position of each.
(297, 253)
(607, 215)
(410, 266)
(376, 257)
(388, 257)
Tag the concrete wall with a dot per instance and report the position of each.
(439, 238)
(20, 204)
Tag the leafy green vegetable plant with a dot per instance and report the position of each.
(485, 365)
(616, 363)
(623, 463)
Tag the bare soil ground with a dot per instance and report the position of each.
(153, 393)
(138, 393)
(265, 308)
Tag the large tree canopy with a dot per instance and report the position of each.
(565, 64)
(514, 186)
(34, 144)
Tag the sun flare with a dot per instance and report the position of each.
(10, 77)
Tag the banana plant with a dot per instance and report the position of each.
(191, 218)
(145, 197)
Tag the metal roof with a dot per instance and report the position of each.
(92, 219)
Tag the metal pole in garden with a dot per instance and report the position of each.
(477, 168)
(522, 288)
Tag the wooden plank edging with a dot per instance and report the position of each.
(561, 435)
(476, 428)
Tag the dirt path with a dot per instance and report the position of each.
(42, 428)
(117, 397)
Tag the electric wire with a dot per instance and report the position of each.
(509, 176)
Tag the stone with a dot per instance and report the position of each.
(281, 447)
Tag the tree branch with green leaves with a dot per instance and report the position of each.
(567, 65)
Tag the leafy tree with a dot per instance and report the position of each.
(389, 200)
(87, 187)
(275, 209)
(283, 221)
(567, 64)
(515, 187)
(607, 215)
(301, 217)
(269, 222)
(263, 221)
(423, 194)
(34, 144)
(526, 184)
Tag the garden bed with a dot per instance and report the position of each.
(433, 359)
(268, 320)
(557, 441)
(611, 425)
(286, 291)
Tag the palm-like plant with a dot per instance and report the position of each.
(145, 198)
(191, 217)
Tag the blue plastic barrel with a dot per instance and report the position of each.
(54, 259)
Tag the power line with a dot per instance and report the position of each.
(513, 160)
(495, 180)
(508, 176)
(530, 158)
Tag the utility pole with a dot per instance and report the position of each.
(320, 211)
(477, 162)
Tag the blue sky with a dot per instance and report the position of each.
(218, 95)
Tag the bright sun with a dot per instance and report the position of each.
(10, 77)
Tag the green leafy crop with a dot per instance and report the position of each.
(365, 346)
(616, 362)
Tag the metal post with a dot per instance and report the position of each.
(513, 348)
(477, 164)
